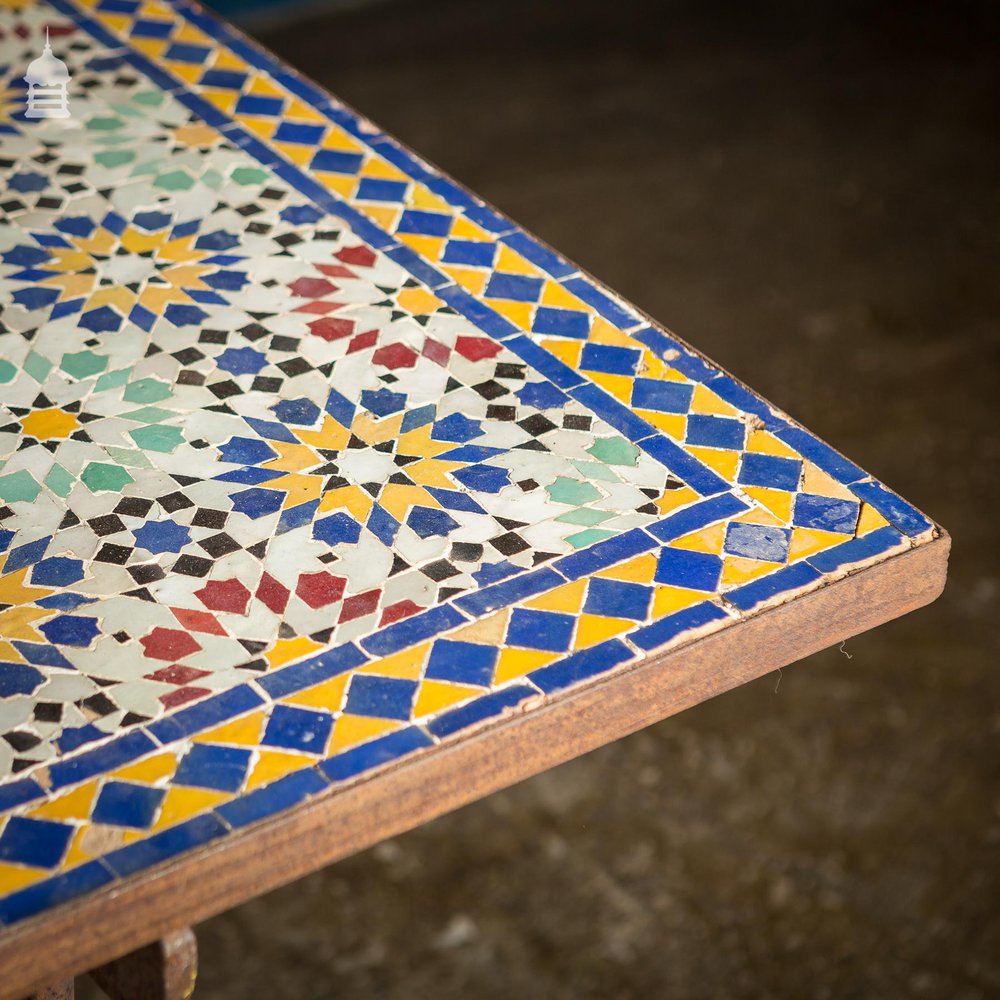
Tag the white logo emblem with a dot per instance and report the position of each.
(48, 80)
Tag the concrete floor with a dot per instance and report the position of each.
(809, 194)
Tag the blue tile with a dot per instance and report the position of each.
(602, 554)
(462, 662)
(516, 287)
(274, 798)
(826, 513)
(893, 508)
(766, 542)
(587, 663)
(424, 223)
(380, 697)
(699, 515)
(207, 766)
(662, 395)
(52, 891)
(772, 471)
(469, 253)
(857, 549)
(163, 846)
(122, 803)
(500, 595)
(410, 631)
(715, 432)
(788, 578)
(540, 630)
(553, 322)
(297, 729)
(120, 751)
(487, 707)
(653, 636)
(36, 842)
(374, 754)
(693, 570)
(617, 599)
(610, 359)
(743, 399)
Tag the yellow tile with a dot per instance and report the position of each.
(181, 803)
(470, 279)
(512, 262)
(466, 229)
(150, 770)
(75, 804)
(567, 351)
(870, 520)
(602, 332)
(815, 480)
(673, 499)
(765, 443)
(420, 197)
(14, 877)
(638, 570)
(385, 216)
(553, 294)
(724, 462)
(777, 502)
(274, 764)
(667, 600)
(351, 730)
(329, 695)
(592, 629)
(286, 650)
(240, 732)
(377, 167)
(406, 664)
(418, 301)
(620, 386)
(519, 313)
(737, 570)
(47, 424)
(756, 515)
(710, 540)
(429, 247)
(435, 696)
(703, 400)
(807, 541)
(567, 598)
(488, 631)
(672, 424)
(518, 662)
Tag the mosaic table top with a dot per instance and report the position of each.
(312, 462)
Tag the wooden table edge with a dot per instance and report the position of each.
(118, 918)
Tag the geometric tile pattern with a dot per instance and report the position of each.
(310, 460)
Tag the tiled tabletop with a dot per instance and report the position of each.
(310, 461)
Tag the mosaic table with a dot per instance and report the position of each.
(330, 499)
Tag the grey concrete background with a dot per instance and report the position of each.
(809, 193)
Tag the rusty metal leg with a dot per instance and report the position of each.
(163, 970)
(60, 991)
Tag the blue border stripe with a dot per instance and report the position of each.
(518, 588)
(757, 591)
(166, 844)
(411, 631)
(119, 751)
(615, 313)
(603, 554)
(319, 668)
(586, 663)
(52, 891)
(892, 507)
(212, 711)
(658, 634)
(685, 466)
(700, 515)
(856, 550)
(385, 749)
(276, 797)
(487, 707)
